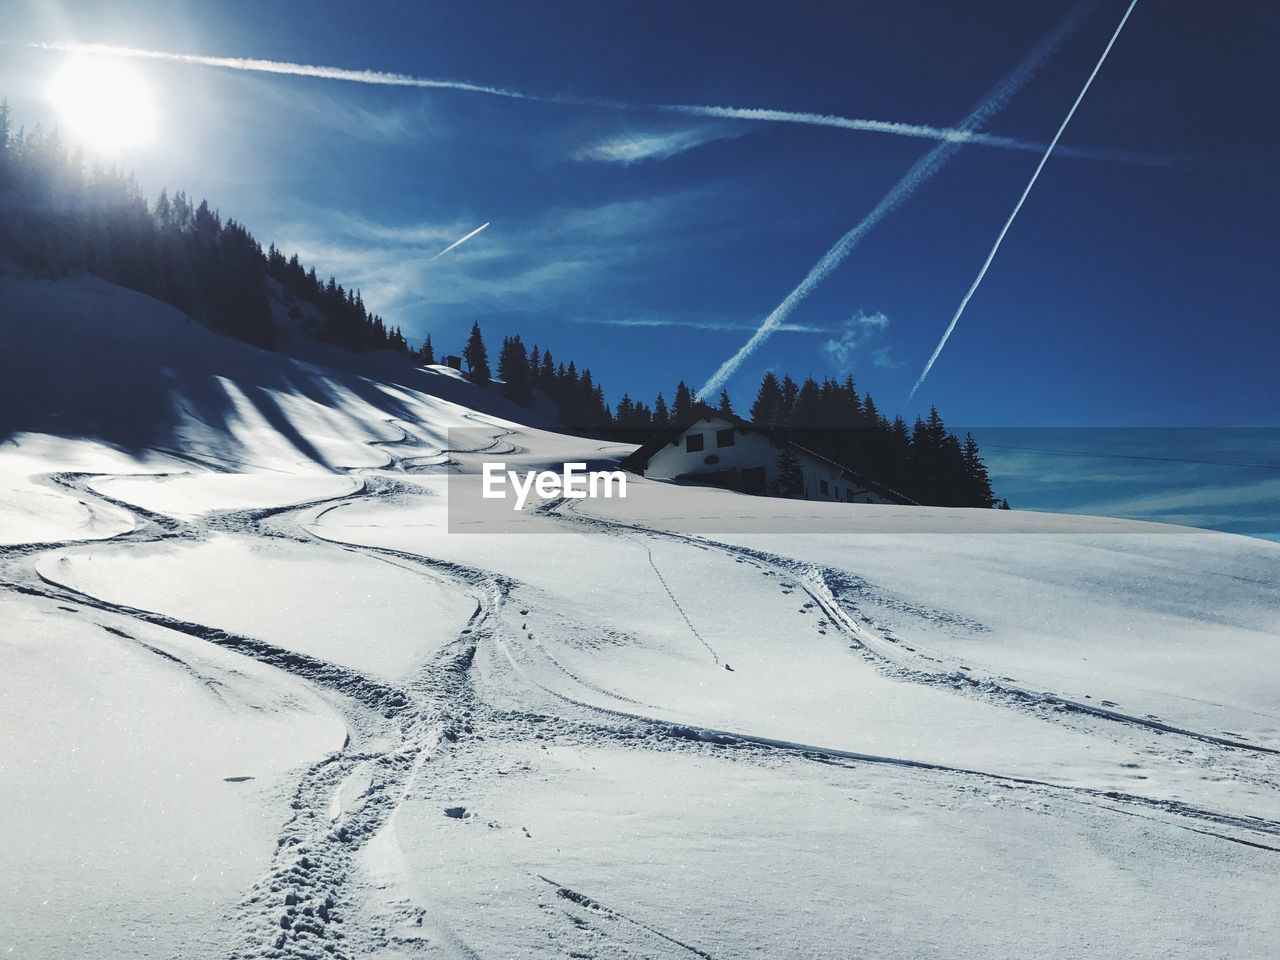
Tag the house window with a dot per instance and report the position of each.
(824, 487)
(724, 438)
(849, 494)
(753, 480)
(693, 443)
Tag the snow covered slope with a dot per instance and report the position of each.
(87, 358)
(258, 701)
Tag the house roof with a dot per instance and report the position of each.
(638, 460)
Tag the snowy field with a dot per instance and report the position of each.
(258, 701)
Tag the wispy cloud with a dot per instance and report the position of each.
(555, 262)
(917, 131)
(863, 333)
(1216, 489)
(380, 123)
(920, 172)
(636, 147)
(1169, 475)
(694, 323)
(883, 358)
(415, 234)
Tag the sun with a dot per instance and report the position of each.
(103, 104)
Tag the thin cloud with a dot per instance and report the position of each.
(921, 171)
(1035, 174)
(1197, 491)
(1198, 494)
(633, 148)
(693, 324)
(376, 124)
(861, 333)
(882, 357)
(918, 131)
(392, 263)
(950, 135)
(422, 234)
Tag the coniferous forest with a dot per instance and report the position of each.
(62, 215)
(926, 462)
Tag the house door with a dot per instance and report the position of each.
(753, 481)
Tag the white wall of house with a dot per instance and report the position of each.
(750, 450)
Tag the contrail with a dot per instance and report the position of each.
(383, 78)
(460, 241)
(916, 130)
(1018, 206)
(376, 77)
(922, 170)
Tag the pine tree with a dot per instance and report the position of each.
(4, 144)
(683, 402)
(953, 479)
(936, 429)
(726, 407)
(660, 415)
(978, 480)
(767, 410)
(893, 461)
(624, 415)
(427, 353)
(644, 416)
(163, 212)
(570, 399)
(790, 479)
(601, 417)
(183, 215)
(806, 409)
(513, 371)
(207, 223)
(790, 392)
(871, 414)
(477, 357)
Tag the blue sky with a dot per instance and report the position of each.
(1137, 287)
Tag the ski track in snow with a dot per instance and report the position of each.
(306, 906)
(831, 589)
(593, 906)
(880, 651)
(684, 616)
(297, 908)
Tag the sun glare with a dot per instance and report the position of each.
(103, 104)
